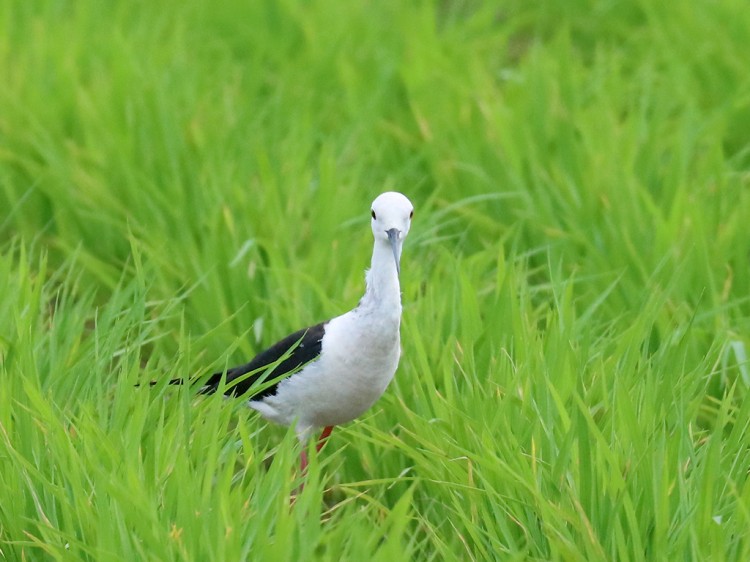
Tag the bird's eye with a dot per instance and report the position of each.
(411, 215)
(373, 214)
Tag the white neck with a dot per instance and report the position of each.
(383, 289)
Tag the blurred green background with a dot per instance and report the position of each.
(182, 183)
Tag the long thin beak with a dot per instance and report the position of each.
(393, 234)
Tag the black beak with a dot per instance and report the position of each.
(393, 234)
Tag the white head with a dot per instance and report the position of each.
(391, 220)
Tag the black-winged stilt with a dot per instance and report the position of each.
(330, 373)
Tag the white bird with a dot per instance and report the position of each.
(330, 373)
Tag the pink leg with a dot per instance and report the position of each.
(323, 437)
(303, 456)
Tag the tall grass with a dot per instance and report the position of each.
(181, 183)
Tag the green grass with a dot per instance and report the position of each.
(181, 183)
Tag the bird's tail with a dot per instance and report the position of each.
(208, 387)
(211, 385)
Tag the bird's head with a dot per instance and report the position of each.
(391, 219)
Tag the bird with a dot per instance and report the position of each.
(330, 373)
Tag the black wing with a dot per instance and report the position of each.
(305, 346)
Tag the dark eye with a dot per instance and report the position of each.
(411, 215)
(373, 214)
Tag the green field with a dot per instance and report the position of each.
(184, 182)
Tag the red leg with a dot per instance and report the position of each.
(323, 437)
(303, 462)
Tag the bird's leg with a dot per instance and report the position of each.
(323, 437)
(303, 461)
(303, 471)
(321, 441)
